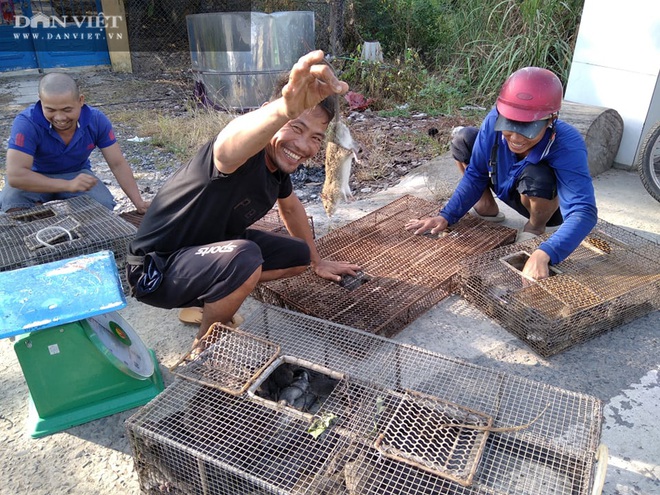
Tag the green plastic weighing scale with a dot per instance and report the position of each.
(80, 359)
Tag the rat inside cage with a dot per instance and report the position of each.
(295, 383)
(392, 419)
(611, 278)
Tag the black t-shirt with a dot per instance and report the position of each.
(198, 205)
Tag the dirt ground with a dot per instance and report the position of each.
(391, 146)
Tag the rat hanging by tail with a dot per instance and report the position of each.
(340, 151)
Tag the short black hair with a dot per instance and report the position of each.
(329, 104)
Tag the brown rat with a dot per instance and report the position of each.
(340, 151)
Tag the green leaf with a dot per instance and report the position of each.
(320, 424)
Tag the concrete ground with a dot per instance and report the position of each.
(620, 367)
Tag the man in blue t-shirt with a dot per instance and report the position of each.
(49, 148)
(533, 162)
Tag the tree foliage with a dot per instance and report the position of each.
(475, 43)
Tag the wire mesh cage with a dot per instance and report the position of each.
(435, 435)
(611, 278)
(272, 222)
(403, 274)
(63, 229)
(389, 419)
(232, 363)
(133, 217)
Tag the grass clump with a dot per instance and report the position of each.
(181, 135)
(441, 54)
(403, 85)
(513, 35)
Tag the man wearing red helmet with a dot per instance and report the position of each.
(532, 161)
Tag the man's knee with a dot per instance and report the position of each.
(538, 181)
(102, 195)
(462, 142)
(13, 199)
(285, 253)
(300, 255)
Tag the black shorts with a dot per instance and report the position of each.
(199, 274)
(537, 180)
(462, 142)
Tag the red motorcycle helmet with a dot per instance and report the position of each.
(530, 94)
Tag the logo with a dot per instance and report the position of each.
(225, 248)
(90, 21)
(67, 28)
(120, 333)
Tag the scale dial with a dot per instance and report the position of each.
(118, 342)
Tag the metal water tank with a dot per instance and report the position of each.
(237, 56)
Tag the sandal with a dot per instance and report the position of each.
(205, 342)
(193, 316)
(486, 218)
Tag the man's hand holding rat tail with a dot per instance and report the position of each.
(311, 80)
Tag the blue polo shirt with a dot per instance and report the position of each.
(31, 133)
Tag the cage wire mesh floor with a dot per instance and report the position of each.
(612, 278)
(63, 229)
(403, 274)
(376, 417)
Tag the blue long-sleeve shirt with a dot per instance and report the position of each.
(566, 155)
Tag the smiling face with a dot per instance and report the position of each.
(299, 140)
(520, 144)
(62, 110)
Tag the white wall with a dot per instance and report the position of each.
(616, 64)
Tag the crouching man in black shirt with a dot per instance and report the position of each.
(194, 247)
